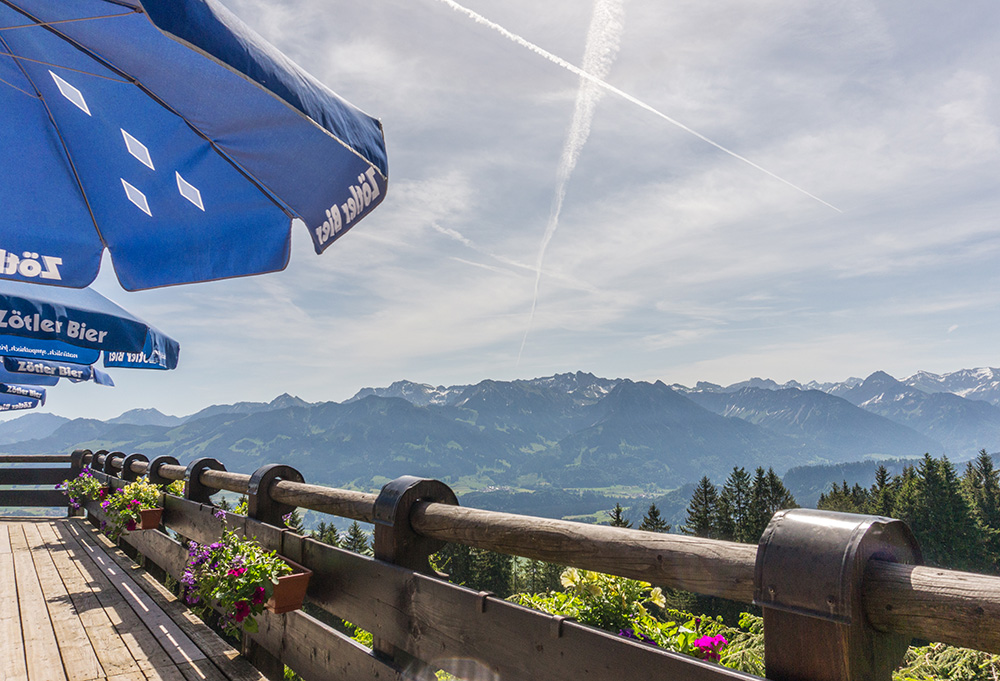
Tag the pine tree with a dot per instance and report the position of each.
(846, 499)
(653, 521)
(357, 540)
(701, 512)
(981, 486)
(758, 515)
(882, 495)
(617, 516)
(326, 534)
(735, 499)
(492, 572)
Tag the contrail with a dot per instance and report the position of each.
(480, 19)
(603, 40)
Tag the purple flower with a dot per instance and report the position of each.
(130, 525)
(638, 636)
(220, 514)
(241, 610)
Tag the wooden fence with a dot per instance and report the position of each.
(840, 598)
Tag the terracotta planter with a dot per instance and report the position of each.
(151, 518)
(290, 589)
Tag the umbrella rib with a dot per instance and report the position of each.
(67, 21)
(5, 82)
(63, 68)
(153, 96)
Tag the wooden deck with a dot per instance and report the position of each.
(74, 608)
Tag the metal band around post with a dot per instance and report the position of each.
(395, 539)
(127, 473)
(193, 489)
(153, 470)
(109, 461)
(260, 505)
(808, 575)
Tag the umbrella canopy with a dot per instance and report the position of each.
(17, 403)
(51, 325)
(170, 133)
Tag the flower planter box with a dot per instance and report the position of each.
(150, 518)
(290, 589)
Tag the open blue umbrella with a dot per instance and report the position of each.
(48, 326)
(170, 133)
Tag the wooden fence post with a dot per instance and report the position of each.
(808, 581)
(260, 506)
(397, 542)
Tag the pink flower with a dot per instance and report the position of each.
(237, 572)
(130, 526)
(258, 596)
(711, 646)
(241, 610)
(101, 492)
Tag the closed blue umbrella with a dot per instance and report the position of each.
(170, 133)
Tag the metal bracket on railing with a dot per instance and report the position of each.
(76, 461)
(395, 539)
(109, 465)
(808, 581)
(260, 505)
(153, 469)
(193, 489)
(98, 459)
(127, 473)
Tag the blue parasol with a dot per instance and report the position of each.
(48, 326)
(170, 133)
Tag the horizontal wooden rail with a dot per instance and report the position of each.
(949, 606)
(35, 458)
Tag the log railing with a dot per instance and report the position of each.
(421, 622)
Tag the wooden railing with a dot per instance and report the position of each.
(837, 601)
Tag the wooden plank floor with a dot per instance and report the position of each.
(74, 608)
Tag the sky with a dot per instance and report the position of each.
(678, 191)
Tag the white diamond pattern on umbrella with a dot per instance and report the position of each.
(137, 197)
(137, 149)
(189, 191)
(71, 93)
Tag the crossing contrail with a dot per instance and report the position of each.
(603, 40)
(582, 73)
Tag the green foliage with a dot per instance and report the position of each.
(944, 662)
(176, 487)
(635, 609)
(84, 487)
(122, 506)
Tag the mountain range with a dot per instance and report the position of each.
(568, 431)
